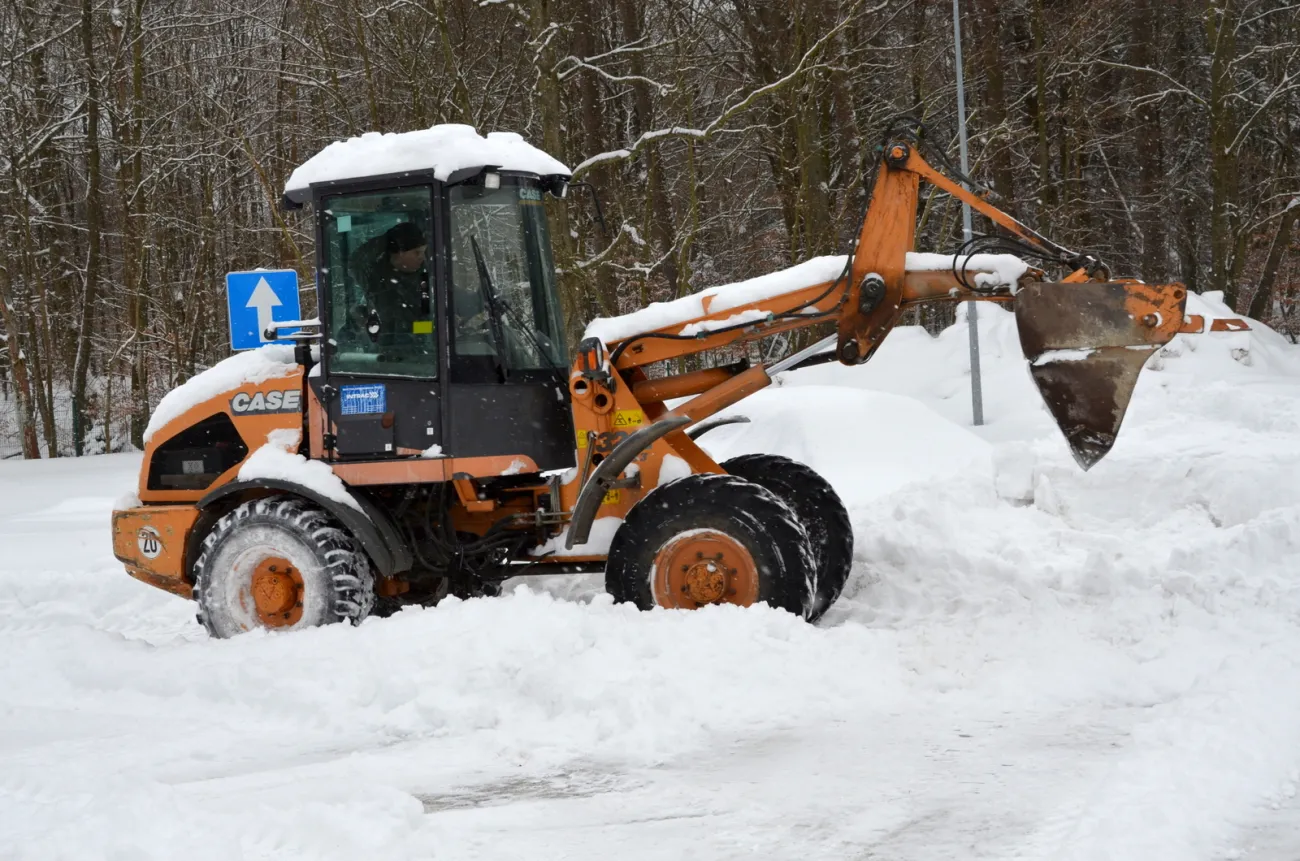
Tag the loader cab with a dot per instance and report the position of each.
(441, 322)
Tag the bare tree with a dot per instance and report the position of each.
(143, 147)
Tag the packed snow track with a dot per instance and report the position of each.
(1028, 661)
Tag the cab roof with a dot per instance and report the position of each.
(440, 151)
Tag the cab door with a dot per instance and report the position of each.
(508, 391)
(379, 380)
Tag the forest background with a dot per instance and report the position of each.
(144, 145)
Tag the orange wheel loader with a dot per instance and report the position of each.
(430, 433)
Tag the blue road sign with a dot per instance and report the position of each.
(258, 299)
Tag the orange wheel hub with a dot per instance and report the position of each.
(701, 567)
(276, 588)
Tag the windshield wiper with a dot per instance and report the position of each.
(535, 337)
(489, 296)
(520, 321)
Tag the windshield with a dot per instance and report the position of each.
(504, 307)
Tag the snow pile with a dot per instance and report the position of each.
(128, 499)
(516, 466)
(867, 444)
(1051, 357)
(278, 458)
(442, 149)
(1029, 661)
(671, 469)
(936, 370)
(246, 368)
(597, 543)
(1258, 347)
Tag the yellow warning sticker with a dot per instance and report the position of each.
(628, 418)
(612, 497)
(422, 327)
(582, 439)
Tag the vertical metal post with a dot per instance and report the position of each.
(972, 315)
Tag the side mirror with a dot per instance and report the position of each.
(557, 185)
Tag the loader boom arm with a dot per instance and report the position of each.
(864, 308)
(1106, 329)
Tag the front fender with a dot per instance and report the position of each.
(371, 525)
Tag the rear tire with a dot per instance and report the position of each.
(711, 539)
(830, 531)
(279, 562)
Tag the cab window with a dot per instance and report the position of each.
(382, 313)
(505, 312)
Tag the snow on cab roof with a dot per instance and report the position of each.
(442, 149)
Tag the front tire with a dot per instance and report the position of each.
(711, 539)
(279, 562)
(830, 532)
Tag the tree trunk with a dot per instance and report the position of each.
(138, 307)
(18, 368)
(1046, 190)
(1264, 293)
(90, 293)
(991, 37)
(1221, 26)
(464, 108)
(815, 235)
(1152, 212)
(663, 236)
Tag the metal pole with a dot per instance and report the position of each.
(972, 316)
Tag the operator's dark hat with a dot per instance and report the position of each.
(404, 237)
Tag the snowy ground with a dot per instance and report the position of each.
(1029, 662)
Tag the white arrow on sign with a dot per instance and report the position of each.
(263, 299)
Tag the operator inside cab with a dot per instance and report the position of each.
(391, 269)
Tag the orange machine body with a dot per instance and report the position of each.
(613, 396)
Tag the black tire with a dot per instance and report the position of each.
(820, 510)
(745, 513)
(337, 584)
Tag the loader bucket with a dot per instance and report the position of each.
(1086, 344)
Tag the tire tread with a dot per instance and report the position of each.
(819, 508)
(744, 509)
(348, 568)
